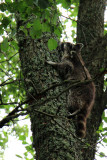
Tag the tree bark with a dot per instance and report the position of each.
(90, 32)
(53, 134)
(49, 124)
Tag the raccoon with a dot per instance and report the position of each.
(81, 98)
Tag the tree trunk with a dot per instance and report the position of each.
(90, 32)
(53, 134)
(50, 136)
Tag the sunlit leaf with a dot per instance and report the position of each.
(52, 44)
(17, 155)
(4, 45)
(102, 154)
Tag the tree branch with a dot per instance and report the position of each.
(59, 84)
(13, 81)
(12, 115)
(9, 58)
(8, 103)
(10, 118)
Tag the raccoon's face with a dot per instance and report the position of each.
(70, 48)
(67, 48)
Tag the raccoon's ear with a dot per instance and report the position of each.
(61, 46)
(66, 46)
(79, 46)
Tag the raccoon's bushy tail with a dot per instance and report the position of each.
(81, 125)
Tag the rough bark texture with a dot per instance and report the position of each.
(90, 32)
(52, 135)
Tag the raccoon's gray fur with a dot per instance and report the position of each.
(80, 99)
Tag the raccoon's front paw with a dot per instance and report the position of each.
(50, 62)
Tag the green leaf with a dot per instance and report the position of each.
(102, 154)
(66, 4)
(55, 19)
(6, 21)
(4, 45)
(29, 25)
(44, 4)
(105, 119)
(3, 7)
(101, 127)
(58, 32)
(22, 137)
(19, 156)
(74, 24)
(73, 33)
(105, 140)
(8, 1)
(37, 24)
(105, 32)
(105, 128)
(45, 27)
(52, 44)
(22, 6)
(28, 148)
(32, 33)
(1, 30)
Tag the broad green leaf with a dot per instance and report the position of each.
(52, 44)
(6, 21)
(22, 137)
(4, 45)
(45, 27)
(58, 32)
(74, 23)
